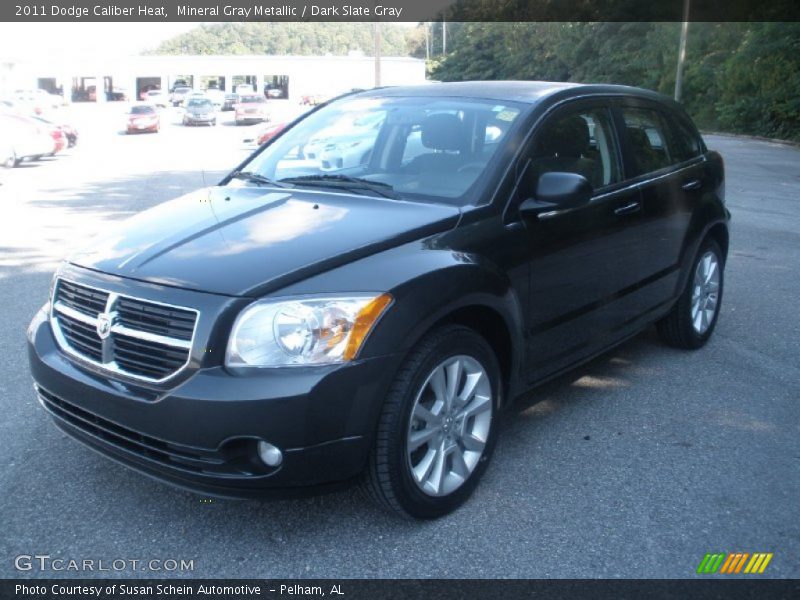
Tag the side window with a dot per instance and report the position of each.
(647, 134)
(579, 142)
(687, 141)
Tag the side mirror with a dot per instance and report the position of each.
(558, 191)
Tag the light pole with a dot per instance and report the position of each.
(682, 51)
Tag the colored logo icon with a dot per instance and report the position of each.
(734, 562)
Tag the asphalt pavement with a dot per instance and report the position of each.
(635, 465)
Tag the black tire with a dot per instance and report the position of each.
(676, 328)
(387, 479)
(11, 161)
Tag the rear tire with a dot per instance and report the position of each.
(11, 161)
(430, 400)
(692, 320)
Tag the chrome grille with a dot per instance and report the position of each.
(130, 336)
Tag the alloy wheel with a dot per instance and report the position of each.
(705, 293)
(449, 425)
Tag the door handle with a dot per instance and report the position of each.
(691, 185)
(628, 209)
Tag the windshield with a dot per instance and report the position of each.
(416, 148)
(199, 104)
(142, 110)
(255, 98)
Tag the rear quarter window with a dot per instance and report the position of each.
(687, 141)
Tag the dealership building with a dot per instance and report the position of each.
(286, 77)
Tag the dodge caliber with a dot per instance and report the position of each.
(300, 326)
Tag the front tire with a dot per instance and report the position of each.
(437, 428)
(692, 320)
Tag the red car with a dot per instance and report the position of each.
(269, 132)
(143, 117)
(252, 108)
(57, 132)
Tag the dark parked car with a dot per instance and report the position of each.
(294, 327)
(230, 102)
(199, 111)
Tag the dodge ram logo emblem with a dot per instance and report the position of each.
(103, 325)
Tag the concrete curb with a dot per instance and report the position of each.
(756, 138)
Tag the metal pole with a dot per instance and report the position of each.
(427, 42)
(444, 37)
(682, 51)
(377, 30)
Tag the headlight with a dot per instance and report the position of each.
(306, 331)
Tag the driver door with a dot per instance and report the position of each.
(585, 262)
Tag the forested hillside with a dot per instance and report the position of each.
(285, 38)
(739, 77)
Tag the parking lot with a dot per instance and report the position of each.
(635, 465)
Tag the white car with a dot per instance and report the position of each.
(348, 130)
(156, 97)
(217, 97)
(178, 94)
(39, 97)
(20, 138)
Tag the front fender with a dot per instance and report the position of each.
(428, 285)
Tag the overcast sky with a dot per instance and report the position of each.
(39, 40)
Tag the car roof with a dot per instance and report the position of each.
(529, 92)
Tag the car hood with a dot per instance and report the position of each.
(248, 241)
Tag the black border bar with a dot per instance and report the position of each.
(396, 10)
(402, 589)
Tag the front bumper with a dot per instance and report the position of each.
(201, 433)
(137, 127)
(200, 119)
(250, 118)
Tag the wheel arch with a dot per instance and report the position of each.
(468, 295)
(491, 326)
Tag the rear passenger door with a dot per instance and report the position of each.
(669, 173)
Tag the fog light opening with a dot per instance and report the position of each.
(269, 454)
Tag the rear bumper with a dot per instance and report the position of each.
(202, 435)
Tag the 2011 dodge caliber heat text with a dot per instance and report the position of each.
(301, 324)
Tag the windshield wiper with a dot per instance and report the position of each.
(352, 183)
(255, 178)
